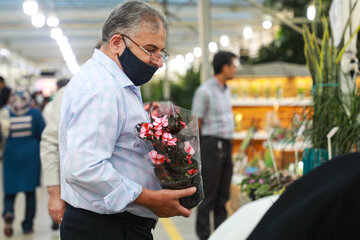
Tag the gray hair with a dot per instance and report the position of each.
(126, 18)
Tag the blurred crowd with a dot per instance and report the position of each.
(23, 116)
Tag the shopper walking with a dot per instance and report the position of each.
(50, 156)
(109, 187)
(4, 92)
(21, 169)
(211, 104)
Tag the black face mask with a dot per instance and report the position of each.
(136, 70)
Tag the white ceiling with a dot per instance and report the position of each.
(82, 20)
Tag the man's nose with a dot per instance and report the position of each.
(158, 62)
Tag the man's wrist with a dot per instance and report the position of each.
(144, 198)
(54, 191)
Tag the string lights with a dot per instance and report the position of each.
(38, 19)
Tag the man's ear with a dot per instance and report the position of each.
(116, 44)
(224, 68)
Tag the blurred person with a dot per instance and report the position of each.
(47, 111)
(49, 152)
(4, 92)
(37, 100)
(212, 105)
(110, 189)
(21, 168)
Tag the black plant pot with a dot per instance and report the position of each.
(193, 200)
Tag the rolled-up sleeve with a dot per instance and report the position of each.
(94, 125)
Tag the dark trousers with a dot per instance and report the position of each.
(216, 173)
(30, 209)
(80, 224)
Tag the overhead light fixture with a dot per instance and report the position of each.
(38, 20)
(30, 7)
(213, 47)
(56, 33)
(267, 24)
(189, 57)
(197, 52)
(5, 53)
(52, 21)
(248, 33)
(180, 59)
(62, 40)
(224, 41)
(311, 13)
(161, 70)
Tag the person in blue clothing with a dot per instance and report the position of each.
(21, 167)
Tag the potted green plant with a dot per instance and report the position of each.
(328, 109)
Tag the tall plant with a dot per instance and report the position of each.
(328, 110)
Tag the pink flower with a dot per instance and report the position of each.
(188, 148)
(159, 123)
(192, 171)
(145, 130)
(261, 181)
(158, 134)
(182, 124)
(156, 158)
(169, 139)
(251, 181)
(188, 157)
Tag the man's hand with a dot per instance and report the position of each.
(165, 203)
(56, 205)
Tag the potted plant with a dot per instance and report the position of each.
(170, 141)
(328, 109)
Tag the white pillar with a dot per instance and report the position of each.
(204, 37)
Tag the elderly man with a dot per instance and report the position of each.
(110, 189)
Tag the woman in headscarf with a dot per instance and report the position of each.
(21, 169)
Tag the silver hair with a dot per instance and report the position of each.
(126, 18)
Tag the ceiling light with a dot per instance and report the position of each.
(248, 33)
(62, 40)
(56, 33)
(311, 13)
(161, 70)
(267, 24)
(197, 52)
(213, 47)
(4, 52)
(52, 21)
(189, 57)
(180, 59)
(38, 20)
(224, 41)
(30, 7)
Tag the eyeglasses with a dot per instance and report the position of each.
(162, 54)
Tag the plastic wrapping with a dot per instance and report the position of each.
(171, 142)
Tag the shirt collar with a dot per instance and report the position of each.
(111, 66)
(216, 83)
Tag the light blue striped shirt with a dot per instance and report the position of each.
(212, 104)
(103, 169)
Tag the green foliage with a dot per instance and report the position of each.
(328, 110)
(152, 91)
(262, 184)
(182, 91)
(288, 46)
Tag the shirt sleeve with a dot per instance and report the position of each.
(49, 145)
(94, 125)
(200, 103)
